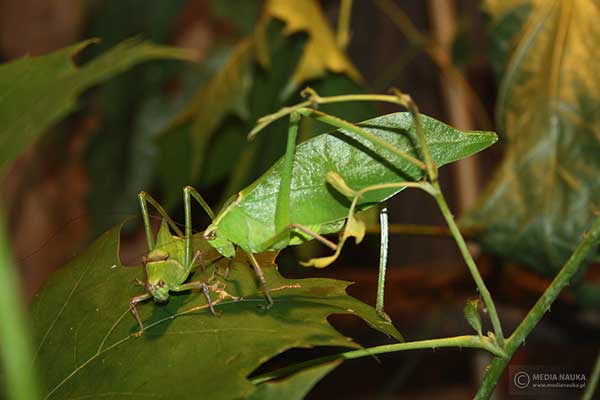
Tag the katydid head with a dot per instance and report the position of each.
(164, 273)
(164, 265)
(218, 242)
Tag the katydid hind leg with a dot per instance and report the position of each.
(300, 229)
(261, 278)
(383, 258)
(188, 193)
(144, 199)
(344, 125)
(282, 210)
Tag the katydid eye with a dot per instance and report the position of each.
(161, 283)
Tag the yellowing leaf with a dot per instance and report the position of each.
(321, 53)
(547, 189)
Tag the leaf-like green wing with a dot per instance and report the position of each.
(82, 328)
(36, 92)
(314, 203)
(546, 190)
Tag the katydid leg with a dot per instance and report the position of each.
(188, 193)
(339, 123)
(144, 199)
(282, 211)
(261, 278)
(198, 285)
(383, 257)
(301, 229)
(348, 230)
(133, 308)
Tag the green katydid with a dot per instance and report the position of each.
(169, 261)
(301, 197)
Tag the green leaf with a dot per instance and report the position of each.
(319, 206)
(294, 387)
(472, 316)
(546, 190)
(83, 328)
(39, 91)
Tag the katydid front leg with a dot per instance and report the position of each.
(133, 309)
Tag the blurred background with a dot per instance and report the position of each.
(166, 124)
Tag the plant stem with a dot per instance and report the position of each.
(19, 375)
(464, 250)
(571, 267)
(467, 341)
(590, 387)
(343, 28)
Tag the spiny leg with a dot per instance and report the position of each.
(383, 257)
(339, 123)
(188, 193)
(261, 278)
(198, 285)
(133, 309)
(144, 199)
(398, 98)
(282, 211)
(301, 229)
(353, 226)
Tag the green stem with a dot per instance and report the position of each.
(590, 387)
(464, 250)
(19, 377)
(467, 341)
(571, 267)
(343, 28)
